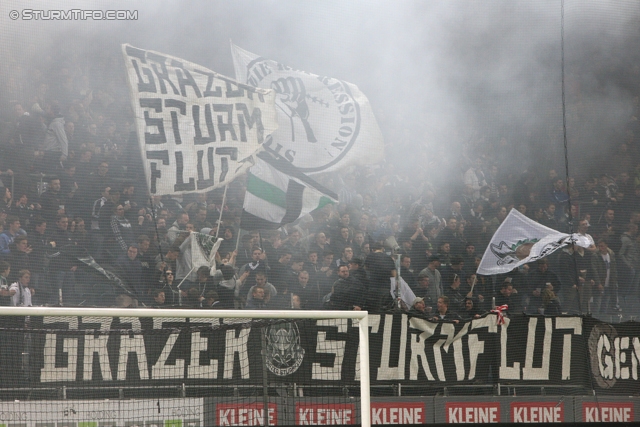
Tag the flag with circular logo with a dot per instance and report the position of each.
(325, 124)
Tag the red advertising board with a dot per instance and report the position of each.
(250, 414)
(472, 412)
(325, 414)
(397, 413)
(607, 412)
(537, 412)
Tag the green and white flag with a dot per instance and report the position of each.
(278, 194)
(520, 240)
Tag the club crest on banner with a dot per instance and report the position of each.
(284, 354)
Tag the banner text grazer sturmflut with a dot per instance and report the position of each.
(533, 350)
(195, 127)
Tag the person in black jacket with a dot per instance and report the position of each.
(538, 280)
(19, 257)
(52, 200)
(357, 271)
(471, 310)
(455, 294)
(121, 235)
(129, 269)
(380, 268)
(550, 304)
(63, 264)
(348, 293)
(508, 298)
(444, 314)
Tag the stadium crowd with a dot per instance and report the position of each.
(73, 186)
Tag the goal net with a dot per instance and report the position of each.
(143, 367)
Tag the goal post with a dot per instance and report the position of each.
(134, 365)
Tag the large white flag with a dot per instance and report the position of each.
(195, 127)
(520, 240)
(325, 124)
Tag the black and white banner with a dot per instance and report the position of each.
(525, 350)
(325, 124)
(195, 127)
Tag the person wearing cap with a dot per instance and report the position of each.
(419, 307)
(435, 279)
(208, 231)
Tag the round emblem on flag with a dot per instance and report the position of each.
(319, 118)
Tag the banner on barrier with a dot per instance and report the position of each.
(245, 414)
(603, 412)
(406, 350)
(397, 413)
(537, 412)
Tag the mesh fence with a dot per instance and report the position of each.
(201, 371)
(484, 109)
(225, 371)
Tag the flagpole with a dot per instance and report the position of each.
(224, 198)
(238, 239)
(155, 225)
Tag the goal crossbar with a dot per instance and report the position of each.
(362, 316)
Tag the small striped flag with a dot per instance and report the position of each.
(278, 194)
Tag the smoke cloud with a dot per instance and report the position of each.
(447, 79)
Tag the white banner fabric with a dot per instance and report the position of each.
(325, 124)
(520, 240)
(195, 127)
